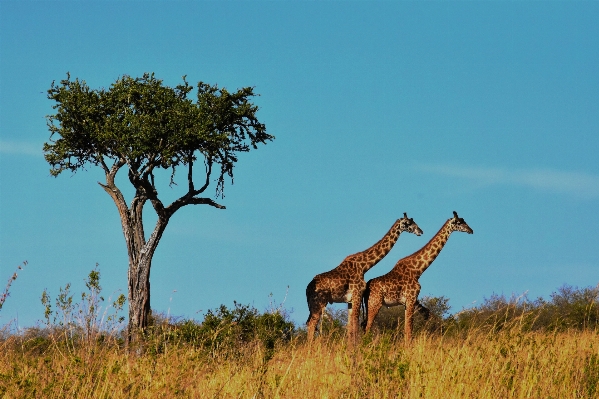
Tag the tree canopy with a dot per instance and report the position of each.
(145, 125)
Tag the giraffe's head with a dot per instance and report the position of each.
(459, 224)
(408, 224)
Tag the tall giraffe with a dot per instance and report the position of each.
(345, 283)
(400, 286)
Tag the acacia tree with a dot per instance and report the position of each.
(143, 126)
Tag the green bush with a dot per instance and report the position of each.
(223, 331)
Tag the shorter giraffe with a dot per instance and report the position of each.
(400, 286)
(345, 283)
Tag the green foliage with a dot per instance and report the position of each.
(36, 341)
(146, 125)
(224, 331)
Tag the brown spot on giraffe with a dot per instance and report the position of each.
(345, 283)
(400, 286)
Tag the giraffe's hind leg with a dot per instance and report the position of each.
(312, 323)
(317, 305)
(373, 305)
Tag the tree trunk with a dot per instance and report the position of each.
(141, 251)
(139, 297)
(140, 255)
(139, 280)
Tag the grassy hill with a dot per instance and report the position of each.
(504, 348)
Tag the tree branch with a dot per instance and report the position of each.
(190, 175)
(111, 173)
(100, 160)
(149, 167)
(189, 200)
(124, 211)
(205, 201)
(208, 173)
(151, 193)
(146, 188)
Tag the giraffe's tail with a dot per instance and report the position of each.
(364, 304)
(310, 292)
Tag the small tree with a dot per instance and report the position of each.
(144, 126)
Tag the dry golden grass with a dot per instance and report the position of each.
(480, 365)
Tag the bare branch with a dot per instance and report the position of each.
(100, 160)
(149, 191)
(190, 175)
(110, 187)
(208, 164)
(149, 168)
(206, 201)
(161, 211)
(190, 200)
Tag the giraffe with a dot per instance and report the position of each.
(400, 286)
(345, 283)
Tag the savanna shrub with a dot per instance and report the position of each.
(225, 330)
(88, 320)
(569, 308)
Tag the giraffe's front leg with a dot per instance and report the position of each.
(350, 322)
(353, 316)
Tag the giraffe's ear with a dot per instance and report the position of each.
(455, 214)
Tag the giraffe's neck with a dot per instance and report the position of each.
(423, 258)
(378, 251)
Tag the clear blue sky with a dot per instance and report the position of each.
(378, 108)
